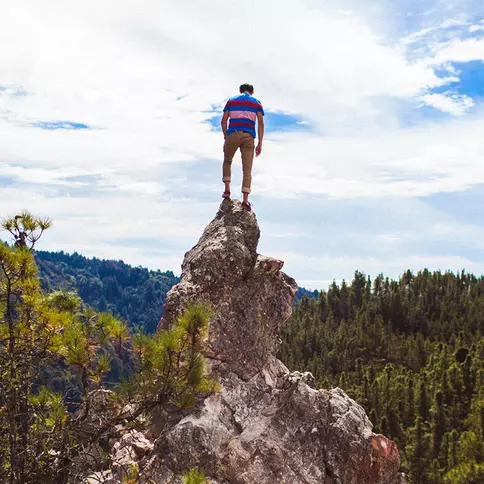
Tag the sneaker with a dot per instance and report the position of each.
(247, 206)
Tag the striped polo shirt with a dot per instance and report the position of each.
(243, 111)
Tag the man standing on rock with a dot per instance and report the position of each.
(242, 111)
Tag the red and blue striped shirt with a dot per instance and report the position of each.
(243, 111)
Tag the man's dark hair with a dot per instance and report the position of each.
(246, 88)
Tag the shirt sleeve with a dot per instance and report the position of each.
(227, 106)
(260, 109)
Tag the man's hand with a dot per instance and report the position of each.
(258, 149)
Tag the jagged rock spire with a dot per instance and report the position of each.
(250, 295)
(266, 425)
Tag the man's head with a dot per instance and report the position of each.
(246, 88)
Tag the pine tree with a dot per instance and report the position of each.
(418, 453)
(438, 424)
(39, 439)
(194, 477)
(468, 379)
(410, 413)
(423, 404)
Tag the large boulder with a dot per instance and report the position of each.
(266, 425)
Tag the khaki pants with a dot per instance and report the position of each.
(244, 141)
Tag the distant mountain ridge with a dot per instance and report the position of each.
(136, 294)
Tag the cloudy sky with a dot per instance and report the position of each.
(374, 153)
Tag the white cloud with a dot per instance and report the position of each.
(460, 50)
(476, 28)
(455, 22)
(40, 175)
(456, 104)
(110, 68)
(146, 89)
(412, 162)
(145, 79)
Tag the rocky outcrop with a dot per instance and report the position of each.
(250, 296)
(266, 424)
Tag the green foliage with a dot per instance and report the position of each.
(67, 302)
(40, 440)
(170, 363)
(132, 475)
(194, 477)
(133, 294)
(411, 352)
(467, 473)
(26, 229)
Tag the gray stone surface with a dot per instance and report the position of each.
(249, 294)
(266, 425)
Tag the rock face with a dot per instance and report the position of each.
(266, 425)
(249, 294)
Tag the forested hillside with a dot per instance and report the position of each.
(135, 294)
(411, 352)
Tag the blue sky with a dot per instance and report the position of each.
(109, 124)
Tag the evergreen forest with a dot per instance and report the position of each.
(410, 351)
(134, 294)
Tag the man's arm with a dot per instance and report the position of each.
(260, 133)
(225, 119)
